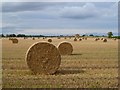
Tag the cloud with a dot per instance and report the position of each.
(23, 6)
(61, 0)
(25, 16)
(86, 11)
(29, 6)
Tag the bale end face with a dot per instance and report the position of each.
(96, 39)
(101, 38)
(43, 58)
(65, 48)
(14, 41)
(50, 40)
(105, 40)
(33, 38)
(80, 39)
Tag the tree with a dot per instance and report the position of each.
(10, 35)
(21, 35)
(91, 35)
(83, 35)
(2, 35)
(110, 34)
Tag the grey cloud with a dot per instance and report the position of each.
(84, 12)
(23, 6)
(30, 6)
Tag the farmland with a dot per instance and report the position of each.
(93, 64)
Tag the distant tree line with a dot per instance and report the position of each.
(110, 35)
(20, 35)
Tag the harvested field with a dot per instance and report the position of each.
(92, 65)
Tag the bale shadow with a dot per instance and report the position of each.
(75, 54)
(69, 71)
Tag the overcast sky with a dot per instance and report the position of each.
(51, 18)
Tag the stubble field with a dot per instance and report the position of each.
(93, 64)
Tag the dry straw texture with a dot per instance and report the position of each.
(65, 48)
(43, 58)
(14, 41)
(49, 40)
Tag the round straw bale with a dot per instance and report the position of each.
(96, 39)
(75, 39)
(49, 40)
(80, 39)
(101, 38)
(65, 48)
(33, 38)
(15, 41)
(85, 38)
(43, 58)
(105, 40)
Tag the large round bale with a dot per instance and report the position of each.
(65, 48)
(50, 40)
(43, 58)
(75, 39)
(105, 40)
(14, 41)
